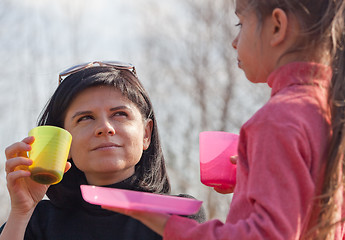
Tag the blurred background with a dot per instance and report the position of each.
(183, 55)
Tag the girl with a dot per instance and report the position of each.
(115, 143)
(290, 163)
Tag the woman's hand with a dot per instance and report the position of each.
(222, 190)
(24, 192)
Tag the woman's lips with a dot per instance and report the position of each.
(106, 146)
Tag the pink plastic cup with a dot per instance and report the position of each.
(215, 149)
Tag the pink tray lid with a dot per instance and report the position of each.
(129, 199)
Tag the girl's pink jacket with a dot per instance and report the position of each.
(282, 151)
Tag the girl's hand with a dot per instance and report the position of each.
(153, 220)
(233, 160)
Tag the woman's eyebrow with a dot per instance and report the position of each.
(81, 113)
(120, 107)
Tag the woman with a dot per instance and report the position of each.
(115, 143)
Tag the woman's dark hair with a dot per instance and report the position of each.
(150, 172)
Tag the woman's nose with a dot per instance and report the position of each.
(105, 128)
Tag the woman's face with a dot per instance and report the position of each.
(108, 134)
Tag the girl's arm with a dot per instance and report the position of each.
(155, 221)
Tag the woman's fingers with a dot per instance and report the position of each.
(16, 155)
(18, 163)
(12, 177)
(68, 166)
(19, 148)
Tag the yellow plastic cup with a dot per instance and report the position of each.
(49, 153)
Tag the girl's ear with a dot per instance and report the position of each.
(279, 27)
(147, 134)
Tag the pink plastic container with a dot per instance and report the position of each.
(215, 149)
(143, 201)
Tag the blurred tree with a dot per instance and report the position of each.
(8, 31)
(29, 39)
(186, 62)
(192, 74)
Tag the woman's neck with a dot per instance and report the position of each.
(104, 178)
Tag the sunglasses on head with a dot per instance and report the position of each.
(113, 64)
